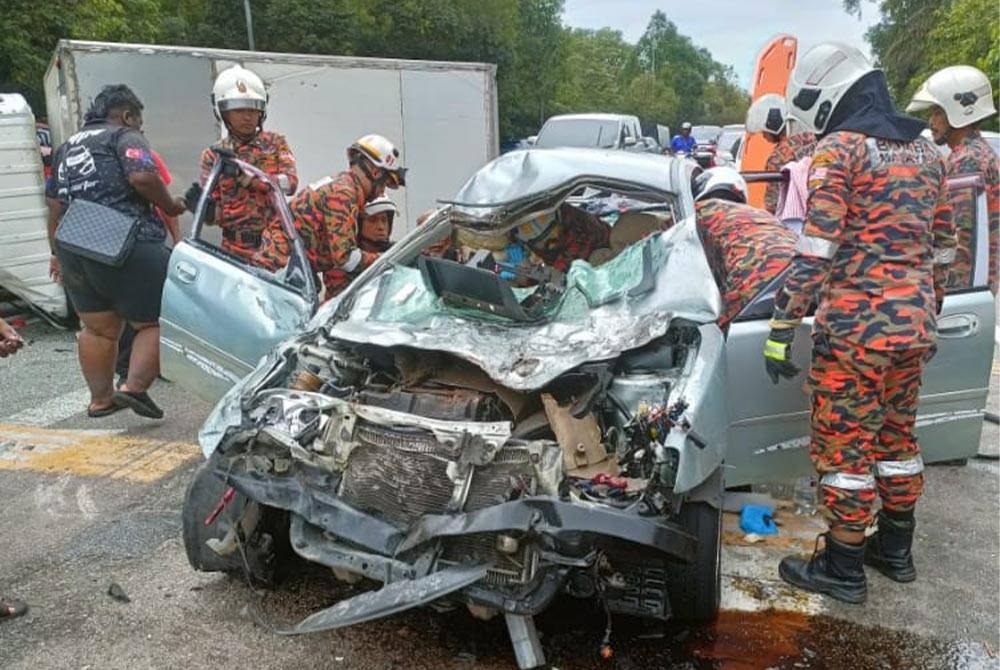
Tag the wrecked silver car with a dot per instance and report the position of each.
(481, 428)
(493, 442)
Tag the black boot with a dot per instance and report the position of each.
(889, 549)
(836, 571)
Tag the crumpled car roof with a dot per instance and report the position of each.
(520, 179)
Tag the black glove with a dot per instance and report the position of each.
(192, 196)
(778, 354)
(229, 168)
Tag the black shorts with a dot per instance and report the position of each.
(132, 291)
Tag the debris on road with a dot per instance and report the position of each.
(118, 593)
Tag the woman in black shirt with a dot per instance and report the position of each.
(110, 163)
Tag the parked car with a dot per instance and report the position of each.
(594, 131)
(659, 133)
(706, 140)
(491, 436)
(727, 146)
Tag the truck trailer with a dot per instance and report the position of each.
(441, 115)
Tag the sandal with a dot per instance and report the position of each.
(11, 609)
(140, 403)
(96, 413)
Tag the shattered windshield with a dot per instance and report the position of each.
(549, 259)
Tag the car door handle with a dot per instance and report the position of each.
(958, 325)
(185, 272)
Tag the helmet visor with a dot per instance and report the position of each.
(241, 103)
(396, 178)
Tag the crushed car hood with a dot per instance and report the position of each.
(604, 312)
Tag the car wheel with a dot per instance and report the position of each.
(695, 588)
(266, 546)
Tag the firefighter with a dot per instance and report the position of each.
(746, 246)
(373, 238)
(326, 215)
(558, 238)
(768, 115)
(960, 99)
(242, 205)
(874, 254)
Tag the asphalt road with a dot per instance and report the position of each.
(90, 503)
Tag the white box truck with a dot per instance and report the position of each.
(442, 115)
(24, 245)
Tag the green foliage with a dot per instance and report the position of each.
(966, 33)
(31, 30)
(543, 68)
(914, 38)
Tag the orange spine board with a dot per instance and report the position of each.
(771, 73)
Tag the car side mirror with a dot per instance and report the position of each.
(629, 142)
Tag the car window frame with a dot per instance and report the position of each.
(297, 274)
(980, 250)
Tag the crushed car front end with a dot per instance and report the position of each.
(459, 457)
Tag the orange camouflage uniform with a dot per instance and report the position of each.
(876, 245)
(974, 156)
(576, 235)
(326, 216)
(243, 208)
(746, 248)
(789, 149)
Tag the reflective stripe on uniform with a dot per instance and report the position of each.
(944, 256)
(775, 350)
(908, 468)
(848, 482)
(816, 246)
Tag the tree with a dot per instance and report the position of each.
(542, 67)
(32, 29)
(966, 33)
(593, 69)
(913, 38)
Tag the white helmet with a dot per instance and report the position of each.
(238, 88)
(380, 205)
(820, 79)
(962, 91)
(720, 182)
(537, 227)
(686, 125)
(767, 114)
(381, 153)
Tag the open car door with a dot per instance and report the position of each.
(219, 314)
(769, 429)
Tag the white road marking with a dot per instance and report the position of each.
(51, 498)
(52, 411)
(85, 503)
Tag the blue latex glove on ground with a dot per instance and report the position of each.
(758, 519)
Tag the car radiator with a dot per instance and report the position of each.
(400, 475)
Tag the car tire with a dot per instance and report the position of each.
(202, 495)
(695, 588)
(266, 548)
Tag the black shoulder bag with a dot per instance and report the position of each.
(97, 232)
